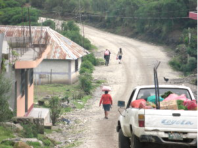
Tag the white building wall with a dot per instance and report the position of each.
(56, 71)
(52, 71)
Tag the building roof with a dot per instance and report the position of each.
(61, 47)
(193, 15)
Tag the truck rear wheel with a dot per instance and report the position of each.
(124, 142)
(135, 142)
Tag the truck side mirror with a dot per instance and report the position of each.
(121, 104)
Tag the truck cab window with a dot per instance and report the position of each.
(130, 99)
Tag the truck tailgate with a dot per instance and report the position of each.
(171, 120)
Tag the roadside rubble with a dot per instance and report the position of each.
(71, 127)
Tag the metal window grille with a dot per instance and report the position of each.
(22, 82)
(76, 65)
(31, 73)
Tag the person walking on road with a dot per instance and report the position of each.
(106, 100)
(119, 55)
(106, 57)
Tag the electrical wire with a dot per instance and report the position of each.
(136, 17)
(131, 17)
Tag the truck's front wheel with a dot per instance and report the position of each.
(135, 142)
(124, 142)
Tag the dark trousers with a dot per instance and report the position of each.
(106, 57)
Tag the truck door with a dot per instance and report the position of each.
(127, 116)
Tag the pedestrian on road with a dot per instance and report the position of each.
(119, 55)
(106, 57)
(109, 54)
(106, 100)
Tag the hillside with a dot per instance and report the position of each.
(158, 21)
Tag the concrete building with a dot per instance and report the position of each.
(62, 63)
(40, 52)
(25, 50)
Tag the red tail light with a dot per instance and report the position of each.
(141, 120)
(141, 123)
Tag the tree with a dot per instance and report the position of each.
(14, 16)
(49, 23)
(55, 107)
(5, 89)
(72, 31)
(37, 3)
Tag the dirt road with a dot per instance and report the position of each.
(136, 69)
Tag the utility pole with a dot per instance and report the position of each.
(81, 23)
(30, 27)
(189, 38)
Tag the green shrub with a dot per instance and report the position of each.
(49, 23)
(85, 70)
(8, 143)
(175, 64)
(47, 142)
(91, 58)
(86, 43)
(191, 65)
(5, 90)
(86, 82)
(30, 130)
(54, 104)
(72, 31)
(88, 65)
(70, 26)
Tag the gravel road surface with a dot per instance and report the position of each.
(137, 65)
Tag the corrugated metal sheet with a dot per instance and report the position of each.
(62, 47)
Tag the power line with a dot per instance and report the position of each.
(136, 17)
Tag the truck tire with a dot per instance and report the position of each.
(123, 141)
(135, 142)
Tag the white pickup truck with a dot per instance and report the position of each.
(138, 127)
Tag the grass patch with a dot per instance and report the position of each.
(34, 144)
(73, 92)
(48, 131)
(98, 83)
(74, 144)
(82, 103)
(42, 91)
(5, 146)
(46, 141)
(5, 133)
(67, 109)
